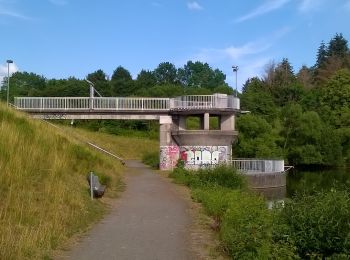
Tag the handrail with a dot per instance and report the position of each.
(216, 101)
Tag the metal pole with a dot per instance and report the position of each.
(235, 69)
(91, 188)
(8, 80)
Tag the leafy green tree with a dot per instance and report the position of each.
(166, 73)
(258, 100)
(101, 83)
(198, 74)
(257, 138)
(24, 84)
(122, 83)
(336, 94)
(70, 87)
(145, 80)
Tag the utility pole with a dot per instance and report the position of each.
(8, 80)
(235, 69)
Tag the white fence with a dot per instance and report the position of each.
(205, 102)
(126, 103)
(247, 166)
(258, 166)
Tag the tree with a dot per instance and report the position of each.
(322, 54)
(200, 74)
(145, 79)
(338, 46)
(257, 139)
(166, 73)
(336, 94)
(25, 84)
(122, 83)
(304, 77)
(257, 99)
(101, 84)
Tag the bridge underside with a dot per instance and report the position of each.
(96, 116)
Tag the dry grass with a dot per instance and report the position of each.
(125, 147)
(43, 188)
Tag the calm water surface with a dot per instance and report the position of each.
(301, 181)
(305, 181)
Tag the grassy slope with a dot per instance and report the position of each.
(125, 147)
(44, 193)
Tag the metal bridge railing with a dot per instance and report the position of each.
(86, 103)
(258, 166)
(205, 102)
(247, 166)
(216, 101)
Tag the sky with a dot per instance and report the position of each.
(63, 38)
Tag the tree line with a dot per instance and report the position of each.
(304, 116)
(164, 81)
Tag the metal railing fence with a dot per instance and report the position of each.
(215, 101)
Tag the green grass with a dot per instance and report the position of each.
(122, 146)
(152, 159)
(43, 187)
(244, 223)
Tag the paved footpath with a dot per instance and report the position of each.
(149, 221)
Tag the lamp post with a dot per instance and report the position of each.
(8, 80)
(235, 69)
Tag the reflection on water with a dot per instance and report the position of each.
(306, 182)
(316, 180)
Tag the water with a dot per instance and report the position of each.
(317, 180)
(307, 181)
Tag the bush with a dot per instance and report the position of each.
(222, 176)
(151, 159)
(246, 230)
(319, 224)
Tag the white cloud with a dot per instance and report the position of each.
(309, 5)
(267, 7)
(194, 6)
(59, 2)
(251, 57)
(347, 5)
(3, 71)
(14, 14)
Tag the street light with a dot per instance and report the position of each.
(8, 80)
(235, 69)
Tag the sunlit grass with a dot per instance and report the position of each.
(43, 187)
(125, 147)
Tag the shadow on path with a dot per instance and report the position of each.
(149, 221)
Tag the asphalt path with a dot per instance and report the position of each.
(149, 221)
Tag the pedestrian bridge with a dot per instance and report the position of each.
(175, 140)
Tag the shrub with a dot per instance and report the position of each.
(222, 176)
(319, 224)
(151, 159)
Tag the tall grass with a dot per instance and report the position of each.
(43, 188)
(125, 147)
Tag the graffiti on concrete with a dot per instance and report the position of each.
(168, 157)
(196, 155)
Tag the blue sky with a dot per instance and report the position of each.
(62, 38)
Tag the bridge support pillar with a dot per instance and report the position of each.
(195, 147)
(168, 149)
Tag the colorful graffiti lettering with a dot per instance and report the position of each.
(197, 155)
(168, 157)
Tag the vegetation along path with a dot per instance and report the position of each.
(149, 221)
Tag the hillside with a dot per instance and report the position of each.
(43, 187)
